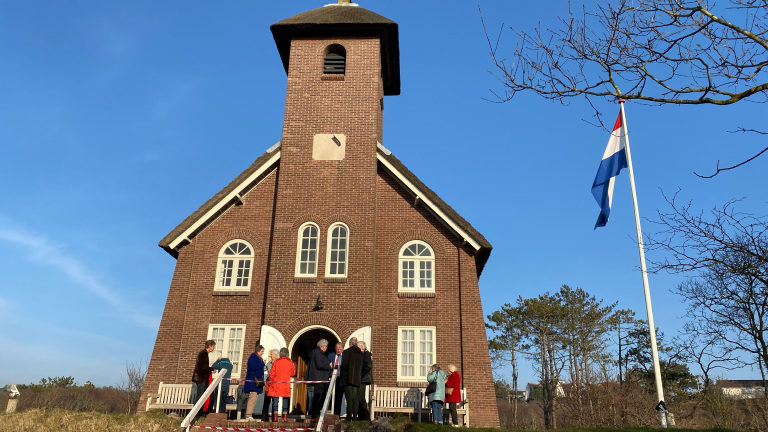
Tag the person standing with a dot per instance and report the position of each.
(437, 376)
(351, 374)
(453, 393)
(318, 370)
(335, 359)
(203, 370)
(273, 355)
(280, 386)
(365, 380)
(223, 365)
(254, 372)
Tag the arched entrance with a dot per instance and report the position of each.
(301, 346)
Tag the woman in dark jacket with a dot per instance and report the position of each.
(454, 384)
(254, 372)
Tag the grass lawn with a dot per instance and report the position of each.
(68, 421)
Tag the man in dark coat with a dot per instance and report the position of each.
(318, 370)
(351, 375)
(365, 380)
(202, 371)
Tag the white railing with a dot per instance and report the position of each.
(186, 423)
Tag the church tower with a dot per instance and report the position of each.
(341, 61)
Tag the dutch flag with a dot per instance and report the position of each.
(614, 159)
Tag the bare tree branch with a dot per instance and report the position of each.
(681, 52)
(719, 170)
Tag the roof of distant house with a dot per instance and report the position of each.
(740, 383)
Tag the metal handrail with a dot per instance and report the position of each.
(328, 394)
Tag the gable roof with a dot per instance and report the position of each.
(219, 203)
(343, 20)
(266, 163)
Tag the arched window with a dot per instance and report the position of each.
(417, 263)
(306, 251)
(234, 268)
(335, 61)
(338, 244)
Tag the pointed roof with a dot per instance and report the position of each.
(266, 163)
(344, 20)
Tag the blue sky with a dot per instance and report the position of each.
(119, 119)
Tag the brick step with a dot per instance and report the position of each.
(220, 420)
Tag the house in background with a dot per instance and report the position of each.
(741, 389)
(328, 235)
(534, 391)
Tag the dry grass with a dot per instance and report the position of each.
(69, 421)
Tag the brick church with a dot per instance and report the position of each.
(328, 235)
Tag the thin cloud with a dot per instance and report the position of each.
(5, 308)
(167, 104)
(42, 251)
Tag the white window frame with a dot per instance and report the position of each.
(237, 261)
(226, 345)
(423, 358)
(299, 250)
(330, 250)
(417, 262)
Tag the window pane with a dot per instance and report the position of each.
(243, 272)
(407, 352)
(229, 344)
(307, 255)
(225, 278)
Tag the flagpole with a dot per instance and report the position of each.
(661, 407)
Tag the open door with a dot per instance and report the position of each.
(301, 348)
(271, 339)
(300, 390)
(362, 334)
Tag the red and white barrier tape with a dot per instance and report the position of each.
(253, 430)
(279, 382)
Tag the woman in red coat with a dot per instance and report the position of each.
(454, 383)
(282, 370)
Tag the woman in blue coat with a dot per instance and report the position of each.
(255, 371)
(437, 376)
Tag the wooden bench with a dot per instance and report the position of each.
(410, 401)
(179, 397)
